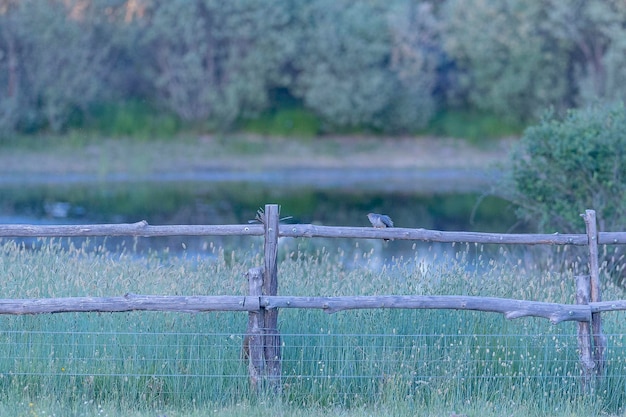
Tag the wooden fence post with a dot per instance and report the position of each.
(270, 287)
(585, 352)
(253, 343)
(599, 340)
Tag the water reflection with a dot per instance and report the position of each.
(233, 202)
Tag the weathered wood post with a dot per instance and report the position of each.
(270, 287)
(599, 340)
(585, 351)
(254, 342)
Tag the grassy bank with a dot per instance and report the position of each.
(99, 157)
(349, 363)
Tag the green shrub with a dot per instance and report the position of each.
(472, 125)
(563, 166)
(132, 118)
(296, 122)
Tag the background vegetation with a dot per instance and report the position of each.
(150, 67)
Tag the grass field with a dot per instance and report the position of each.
(96, 156)
(357, 363)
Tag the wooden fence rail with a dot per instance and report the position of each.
(511, 308)
(143, 229)
(262, 342)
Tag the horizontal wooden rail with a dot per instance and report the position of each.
(309, 230)
(511, 308)
(129, 302)
(600, 306)
(143, 229)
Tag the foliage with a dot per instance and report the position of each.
(387, 66)
(292, 122)
(563, 166)
(368, 64)
(341, 64)
(471, 125)
(415, 57)
(133, 118)
(52, 67)
(212, 60)
(594, 36)
(353, 73)
(506, 63)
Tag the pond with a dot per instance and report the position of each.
(434, 199)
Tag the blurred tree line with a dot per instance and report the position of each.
(387, 65)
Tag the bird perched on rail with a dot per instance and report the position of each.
(380, 221)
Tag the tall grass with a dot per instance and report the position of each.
(395, 360)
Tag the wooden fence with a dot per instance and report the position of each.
(262, 341)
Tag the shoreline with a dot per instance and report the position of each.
(394, 179)
(243, 156)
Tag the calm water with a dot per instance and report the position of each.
(442, 200)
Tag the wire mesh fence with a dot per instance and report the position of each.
(317, 367)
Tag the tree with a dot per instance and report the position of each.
(57, 60)
(563, 166)
(211, 59)
(340, 66)
(507, 61)
(594, 35)
(415, 55)
(367, 64)
(9, 71)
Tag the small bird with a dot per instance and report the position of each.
(380, 221)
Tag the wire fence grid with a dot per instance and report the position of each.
(160, 365)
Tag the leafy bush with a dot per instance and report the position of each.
(415, 56)
(296, 122)
(341, 65)
(133, 118)
(594, 36)
(563, 166)
(471, 125)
